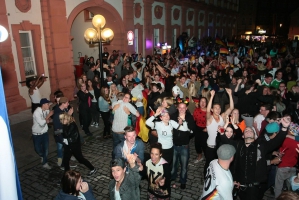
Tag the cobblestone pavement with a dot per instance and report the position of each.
(39, 183)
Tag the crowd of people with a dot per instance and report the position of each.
(242, 108)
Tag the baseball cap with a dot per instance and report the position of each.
(43, 101)
(117, 162)
(226, 151)
(272, 128)
(63, 100)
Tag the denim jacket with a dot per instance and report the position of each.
(129, 188)
(138, 148)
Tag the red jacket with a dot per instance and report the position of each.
(290, 157)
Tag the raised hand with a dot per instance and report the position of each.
(160, 181)
(84, 187)
(229, 91)
(131, 158)
(212, 92)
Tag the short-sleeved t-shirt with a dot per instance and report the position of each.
(218, 183)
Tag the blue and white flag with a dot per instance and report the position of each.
(9, 179)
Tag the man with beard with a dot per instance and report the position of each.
(250, 161)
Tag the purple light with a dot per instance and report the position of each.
(165, 44)
(148, 44)
(158, 44)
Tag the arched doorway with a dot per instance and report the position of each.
(80, 19)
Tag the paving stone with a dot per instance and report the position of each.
(39, 183)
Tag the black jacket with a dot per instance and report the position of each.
(259, 156)
(182, 137)
(71, 133)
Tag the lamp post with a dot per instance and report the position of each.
(99, 35)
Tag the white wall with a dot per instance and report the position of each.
(34, 16)
(79, 43)
(139, 20)
(154, 19)
(194, 15)
(117, 4)
(70, 5)
(178, 21)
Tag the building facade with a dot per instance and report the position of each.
(46, 36)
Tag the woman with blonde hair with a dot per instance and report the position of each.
(206, 93)
(113, 92)
(72, 144)
(167, 103)
(105, 107)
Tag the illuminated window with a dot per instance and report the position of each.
(27, 53)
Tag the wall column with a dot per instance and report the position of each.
(58, 47)
(147, 28)
(129, 22)
(14, 101)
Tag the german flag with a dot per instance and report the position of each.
(282, 49)
(212, 195)
(219, 41)
(223, 51)
(250, 52)
(141, 129)
(230, 44)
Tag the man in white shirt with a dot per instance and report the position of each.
(257, 121)
(40, 131)
(218, 180)
(122, 109)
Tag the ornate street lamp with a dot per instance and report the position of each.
(100, 36)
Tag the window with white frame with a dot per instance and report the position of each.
(27, 53)
(174, 38)
(199, 34)
(136, 40)
(188, 32)
(156, 36)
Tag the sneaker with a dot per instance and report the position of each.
(59, 161)
(73, 158)
(72, 165)
(92, 124)
(41, 159)
(197, 161)
(47, 166)
(92, 172)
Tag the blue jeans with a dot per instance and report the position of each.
(41, 146)
(117, 138)
(180, 153)
(59, 149)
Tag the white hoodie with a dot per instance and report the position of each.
(39, 123)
